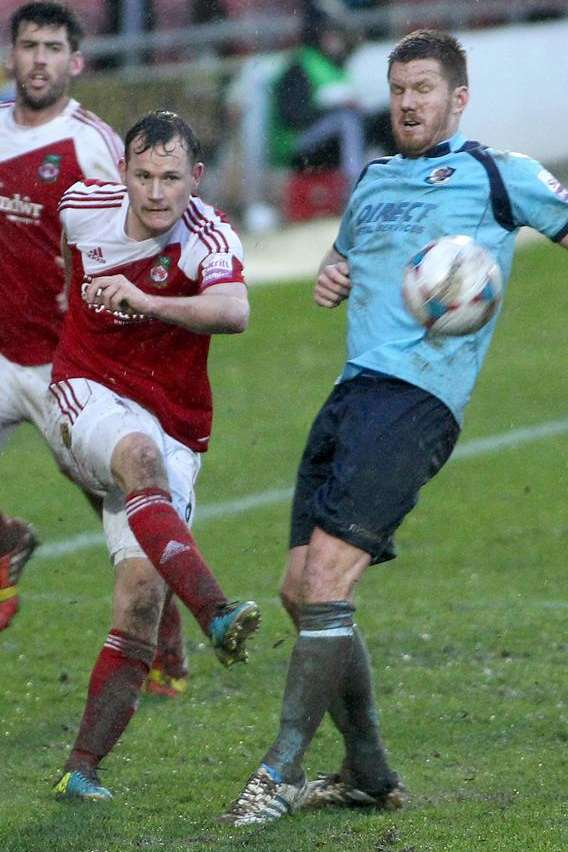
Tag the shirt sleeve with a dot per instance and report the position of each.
(537, 198)
(214, 254)
(65, 209)
(80, 206)
(99, 150)
(344, 239)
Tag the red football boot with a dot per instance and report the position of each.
(17, 543)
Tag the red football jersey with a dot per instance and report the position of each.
(161, 366)
(37, 164)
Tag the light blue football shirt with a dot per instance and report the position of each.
(398, 206)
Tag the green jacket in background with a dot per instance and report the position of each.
(293, 106)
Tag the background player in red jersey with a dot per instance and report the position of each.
(155, 272)
(47, 142)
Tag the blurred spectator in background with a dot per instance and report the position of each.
(299, 122)
(300, 115)
(315, 120)
(298, 112)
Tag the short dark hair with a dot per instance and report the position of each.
(48, 15)
(158, 128)
(433, 44)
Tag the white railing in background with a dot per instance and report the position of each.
(260, 32)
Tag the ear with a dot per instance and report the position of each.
(461, 98)
(122, 169)
(197, 172)
(76, 63)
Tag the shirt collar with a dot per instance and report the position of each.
(454, 143)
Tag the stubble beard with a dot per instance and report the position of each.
(437, 134)
(408, 150)
(41, 102)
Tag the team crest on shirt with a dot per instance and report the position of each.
(160, 271)
(440, 175)
(50, 168)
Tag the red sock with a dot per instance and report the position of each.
(170, 547)
(170, 655)
(112, 698)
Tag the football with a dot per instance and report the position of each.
(452, 286)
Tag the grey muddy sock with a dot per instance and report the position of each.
(315, 673)
(355, 715)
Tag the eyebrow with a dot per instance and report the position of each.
(50, 43)
(169, 173)
(424, 78)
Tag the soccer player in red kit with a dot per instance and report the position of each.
(155, 272)
(47, 142)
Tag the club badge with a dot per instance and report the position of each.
(440, 175)
(160, 271)
(50, 168)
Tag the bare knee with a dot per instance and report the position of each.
(291, 588)
(138, 599)
(333, 566)
(146, 603)
(142, 610)
(322, 582)
(137, 463)
(291, 606)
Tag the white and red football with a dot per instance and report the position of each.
(452, 286)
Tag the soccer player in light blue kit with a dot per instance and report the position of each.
(393, 418)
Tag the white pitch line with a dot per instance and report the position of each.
(471, 449)
(496, 443)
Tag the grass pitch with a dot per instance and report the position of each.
(466, 629)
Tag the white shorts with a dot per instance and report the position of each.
(84, 423)
(22, 396)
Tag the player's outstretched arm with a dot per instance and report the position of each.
(333, 283)
(221, 309)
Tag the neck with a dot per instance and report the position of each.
(135, 230)
(29, 117)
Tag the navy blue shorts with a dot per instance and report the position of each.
(376, 441)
